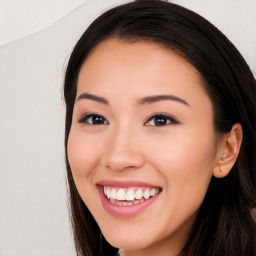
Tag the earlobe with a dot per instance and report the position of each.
(220, 172)
(229, 149)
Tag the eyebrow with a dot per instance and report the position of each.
(143, 101)
(155, 98)
(93, 97)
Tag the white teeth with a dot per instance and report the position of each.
(138, 194)
(108, 192)
(113, 194)
(129, 195)
(153, 192)
(146, 194)
(132, 195)
(116, 202)
(120, 194)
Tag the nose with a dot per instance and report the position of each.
(124, 151)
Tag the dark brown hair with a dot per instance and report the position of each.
(224, 224)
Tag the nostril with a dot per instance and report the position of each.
(124, 156)
(122, 162)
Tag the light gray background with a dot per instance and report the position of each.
(33, 206)
(24, 17)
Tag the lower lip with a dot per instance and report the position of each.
(125, 211)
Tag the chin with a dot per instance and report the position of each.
(127, 242)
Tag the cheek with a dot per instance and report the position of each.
(82, 154)
(75, 151)
(186, 168)
(186, 165)
(184, 152)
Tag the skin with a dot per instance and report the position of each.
(178, 157)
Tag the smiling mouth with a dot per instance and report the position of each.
(129, 196)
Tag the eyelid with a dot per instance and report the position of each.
(173, 120)
(89, 115)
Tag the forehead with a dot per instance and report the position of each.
(117, 66)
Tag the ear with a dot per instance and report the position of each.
(228, 150)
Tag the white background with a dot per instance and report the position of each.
(37, 38)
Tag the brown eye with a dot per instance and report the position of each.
(93, 119)
(161, 120)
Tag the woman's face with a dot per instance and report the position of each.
(142, 145)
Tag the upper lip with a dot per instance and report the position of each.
(125, 183)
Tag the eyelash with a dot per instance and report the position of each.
(85, 119)
(168, 120)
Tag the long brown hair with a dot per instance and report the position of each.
(224, 225)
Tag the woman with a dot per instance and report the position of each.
(160, 136)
